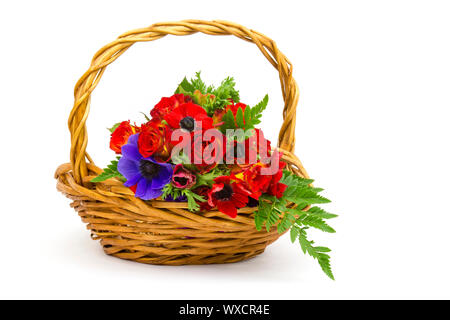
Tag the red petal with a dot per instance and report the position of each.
(239, 200)
(222, 180)
(174, 118)
(215, 188)
(207, 122)
(193, 110)
(228, 208)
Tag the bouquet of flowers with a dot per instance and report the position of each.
(201, 146)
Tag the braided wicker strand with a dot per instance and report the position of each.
(159, 232)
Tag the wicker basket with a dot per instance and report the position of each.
(159, 232)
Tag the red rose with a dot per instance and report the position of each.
(120, 135)
(257, 181)
(151, 138)
(277, 188)
(218, 116)
(262, 144)
(167, 104)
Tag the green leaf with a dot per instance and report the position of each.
(104, 176)
(114, 127)
(208, 178)
(170, 190)
(222, 95)
(316, 252)
(317, 223)
(228, 121)
(240, 118)
(247, 118)
(109, 172)
(185, 87)
(302, 195)
(227, 91)
(192, 198)
(288, 212)
(145, 116)
(291, 179)
(262, 213)
(324, 262)
(319, 212)
(260, 107)
(294, 233)
(198, 84)
(322, 249)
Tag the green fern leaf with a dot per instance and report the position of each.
(240, 118)
(260, 107)
(316, 252)
(294, 233)
(319, 212)
(317, 223)
(324, 262)
(109, 172)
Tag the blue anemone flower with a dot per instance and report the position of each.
(148, 175)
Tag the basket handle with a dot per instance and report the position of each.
(110, 52)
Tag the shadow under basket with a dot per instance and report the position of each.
(160, 232)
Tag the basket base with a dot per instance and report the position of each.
(159, 232)
(188, 260)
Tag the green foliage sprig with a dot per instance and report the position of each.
(246, 119)
(220, 96)
(292, 212)
(207, 179)
(175, 193)
(109, 172)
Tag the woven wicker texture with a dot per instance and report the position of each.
(159, 232)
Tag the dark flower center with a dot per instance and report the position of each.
(225, 193)
(148, 169)
(239, 151)
(252, 202)
(187, 123)
(181, 180)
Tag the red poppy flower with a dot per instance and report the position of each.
(247, 152)
(167, 104)
(203, 191)
(186, 116)
(182, 178)
(207, 151)
(227, 195)
(235, 106)
(120, 135)
(219, 113)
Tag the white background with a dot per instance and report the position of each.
(372, 129)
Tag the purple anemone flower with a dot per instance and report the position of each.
(148, 175)
(182, 198)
